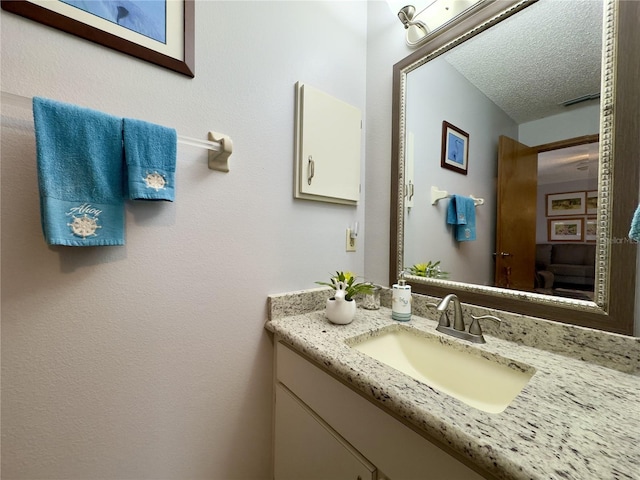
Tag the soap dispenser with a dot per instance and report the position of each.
(401, 300)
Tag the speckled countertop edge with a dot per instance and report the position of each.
(574, 419)
(611, 350)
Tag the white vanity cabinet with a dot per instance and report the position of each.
(307, 448)
(319, 420)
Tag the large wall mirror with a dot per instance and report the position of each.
(530, 108)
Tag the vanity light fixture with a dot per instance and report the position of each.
(435, 15)
(415, 30)
(406, 15)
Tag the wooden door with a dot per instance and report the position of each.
(516, 218)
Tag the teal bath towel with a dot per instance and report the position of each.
(150, 154)
(461, 213)
(80, 174)
(634, 232)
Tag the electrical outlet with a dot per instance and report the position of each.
(351, 242)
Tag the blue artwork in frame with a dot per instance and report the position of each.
(158, 31)
(146, 17)
(455, 148)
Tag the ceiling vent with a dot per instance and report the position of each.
(583, 98)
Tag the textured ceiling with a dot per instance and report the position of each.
(537, 59)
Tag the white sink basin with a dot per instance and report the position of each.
(480, 379)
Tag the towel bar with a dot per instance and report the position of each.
(220, 147)
(437, 194)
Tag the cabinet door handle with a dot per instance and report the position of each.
(310, 169)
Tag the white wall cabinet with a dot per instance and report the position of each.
(367, 431)
(328, 146)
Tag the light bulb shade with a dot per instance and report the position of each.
(415, 33)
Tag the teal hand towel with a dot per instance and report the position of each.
(150, 154)
(634, 232)
(80, 174)
(461, 213)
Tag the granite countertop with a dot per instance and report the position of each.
(574, 419)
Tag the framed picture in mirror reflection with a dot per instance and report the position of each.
(563, 204)
(592, 202)
(565, 229)
(590, 229)
(455, 148)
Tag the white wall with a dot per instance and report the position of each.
(579, 120)
(437, 92)
(150, 361)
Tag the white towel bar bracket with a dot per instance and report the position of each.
(220, 160)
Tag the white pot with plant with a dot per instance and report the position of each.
(429, 269)
(341, 307)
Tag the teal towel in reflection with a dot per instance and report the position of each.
(634, 232)
(150, 154)
(461, 213)
(80, 174)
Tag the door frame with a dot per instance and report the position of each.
(548, 147)
(569, 142)
(517, 166)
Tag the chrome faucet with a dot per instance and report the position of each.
(458, 322)
(458, 329)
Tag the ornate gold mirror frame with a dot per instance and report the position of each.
(618, 179)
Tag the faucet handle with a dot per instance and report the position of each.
(475, 329)
(443, 321)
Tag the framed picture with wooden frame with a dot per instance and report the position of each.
(160, 32)
(564, 229)
(591, 229)
(592, 202)
(564, 204)
(455, 148)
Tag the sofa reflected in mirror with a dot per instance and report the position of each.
(566, 269)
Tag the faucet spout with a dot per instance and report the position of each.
(458, 322)
(458, 329)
